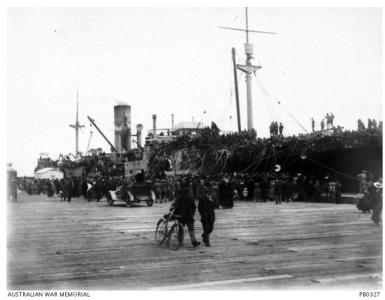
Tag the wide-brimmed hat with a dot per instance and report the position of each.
(378, 185)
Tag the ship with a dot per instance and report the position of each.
(197, 149)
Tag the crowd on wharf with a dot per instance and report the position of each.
(218, 192)
(258, 187)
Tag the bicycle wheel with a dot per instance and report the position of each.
(161, 231)
(176, 236)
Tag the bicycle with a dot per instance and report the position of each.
(172, 238)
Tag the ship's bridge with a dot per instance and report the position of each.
(170, 134)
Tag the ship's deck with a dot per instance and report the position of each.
(91, 246)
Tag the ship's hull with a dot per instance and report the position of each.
(346, 164)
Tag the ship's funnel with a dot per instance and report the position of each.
(154, 126)
(122, 123)
(139, 129)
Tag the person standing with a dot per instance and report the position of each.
(280, 129)
(370, 124)
(362, 180)
(50, 189)
(206, 208)
(158, 191)
(250, 188)
(312, 124)
(229, 197)
(323, 124)
(331, 120)
(360, 125)
(271, 128)
(327, 120)
(67, 189)
(225, 193)
(222, 193)
(377, 209)
(185, 207)
(278, 191)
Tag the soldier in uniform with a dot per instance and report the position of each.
(185, 207)
(67, 189)
(206, 208)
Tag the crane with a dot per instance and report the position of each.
(113, 149)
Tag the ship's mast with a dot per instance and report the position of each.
(248, 69)
(77, 126)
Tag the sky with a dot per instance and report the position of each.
(177, 61)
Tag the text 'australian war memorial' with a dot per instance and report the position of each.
(195, 206)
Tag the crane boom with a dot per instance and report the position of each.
(97, 128)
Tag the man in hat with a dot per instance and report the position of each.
(206, 208)
(185, 207)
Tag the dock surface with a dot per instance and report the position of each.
(255, 246)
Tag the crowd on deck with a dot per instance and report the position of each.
(337, 138)
(242, 148)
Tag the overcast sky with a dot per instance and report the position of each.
(176, 60)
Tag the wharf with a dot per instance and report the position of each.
(255, 246)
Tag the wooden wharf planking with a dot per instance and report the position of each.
(89, 245)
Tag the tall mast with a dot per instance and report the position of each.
(236, 90)
(248, 68)
(77, 126)
(247, 27)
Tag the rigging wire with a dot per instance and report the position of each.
(258, 159)
(290, 153)
(288, 99)
(291, 115)
(280, 104)
(272, 110)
